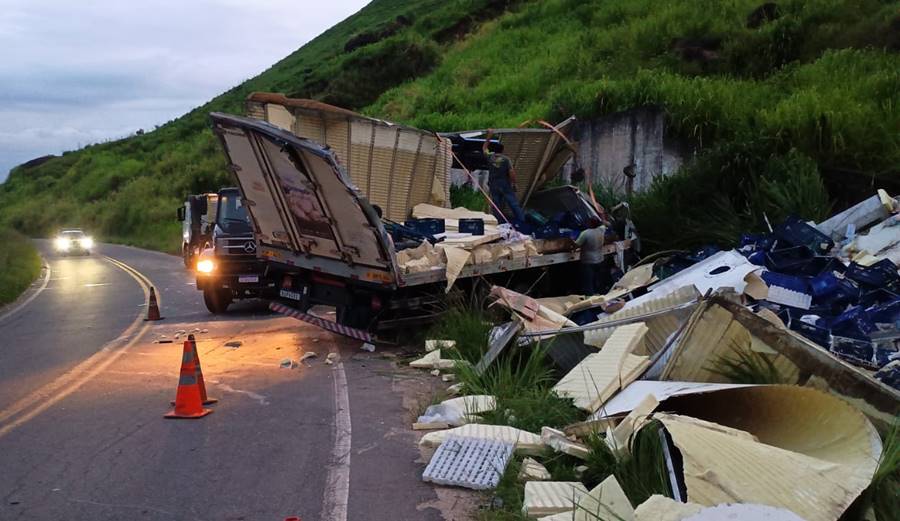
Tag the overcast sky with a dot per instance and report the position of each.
(80, 72)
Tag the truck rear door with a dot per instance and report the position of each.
(299, 197)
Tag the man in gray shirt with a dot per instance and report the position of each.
(591, 244)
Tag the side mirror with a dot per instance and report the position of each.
(181, 213)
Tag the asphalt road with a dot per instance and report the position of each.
(84, 383)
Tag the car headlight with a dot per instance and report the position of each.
(86, 242)
(205, 266)
(62, 243)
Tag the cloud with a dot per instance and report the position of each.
(75, 73)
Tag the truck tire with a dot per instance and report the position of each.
(217, 300)
(186, 255)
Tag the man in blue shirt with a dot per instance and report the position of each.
(502, 181)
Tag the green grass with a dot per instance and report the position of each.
(885, 487)
(20, 264)
(747, 367)
(783, 118)
(468, 326)
(468, 198)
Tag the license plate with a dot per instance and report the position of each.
(293, 295)
(248, 278)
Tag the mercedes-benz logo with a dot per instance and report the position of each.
(250, 247)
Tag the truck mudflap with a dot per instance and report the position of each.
(328, 325)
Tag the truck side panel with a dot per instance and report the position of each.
(299, 197)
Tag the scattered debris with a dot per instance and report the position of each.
(545, 498)
(598, 376)
(433, 360)
(499, 337)
(662, 508)
(605, 501)
(531, 470)
(431, 345)
(309, 355)
(474, 463)
(524, 441)
(436, 372)
(287, 363)
(448, 377)
(368, 347)
(234, 344)
(458, 411)
(332, 358)
(557, 441)
(429, 426)
(204, 331)
(455, 388)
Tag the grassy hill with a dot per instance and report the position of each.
(794, 112)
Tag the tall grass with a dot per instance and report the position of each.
(20, 264)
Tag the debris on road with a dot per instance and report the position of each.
(436, 372)
(469, 462)
(433, 360)
(308, 355)
(447, 377)
(332, 358)
(458, 411)
(368, 347)
(287, 363)
(234, 344)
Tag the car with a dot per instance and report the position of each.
(73, 242)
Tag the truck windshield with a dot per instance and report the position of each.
(231, 210)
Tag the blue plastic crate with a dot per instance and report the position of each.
(428, 226)
(473, 226)
(797, 232)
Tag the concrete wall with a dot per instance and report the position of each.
(611, 143)
(634, 137)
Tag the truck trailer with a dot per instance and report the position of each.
(326, 189)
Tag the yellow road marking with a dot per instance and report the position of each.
(52, 393)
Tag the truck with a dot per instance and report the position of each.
(227, 268)
(322, 207)
(196, 226)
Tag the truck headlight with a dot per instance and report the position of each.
(86, 242)
(62, 243)
(205, 266)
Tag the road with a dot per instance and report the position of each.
(84, 383)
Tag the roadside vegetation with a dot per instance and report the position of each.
(788, 115)
(20, 264)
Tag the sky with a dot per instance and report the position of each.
(75, 73)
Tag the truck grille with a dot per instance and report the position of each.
(237, 247)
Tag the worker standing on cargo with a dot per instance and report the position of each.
(502, 181)
(591, 243)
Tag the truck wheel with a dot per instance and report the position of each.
(217, 300)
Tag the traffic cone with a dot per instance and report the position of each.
(200, 383)
(152, 307)
(188, 402)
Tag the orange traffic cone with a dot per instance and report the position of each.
(200, 383)
(188, 402)
(153, 307)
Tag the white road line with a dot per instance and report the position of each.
(31, 297)
(337, 484)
